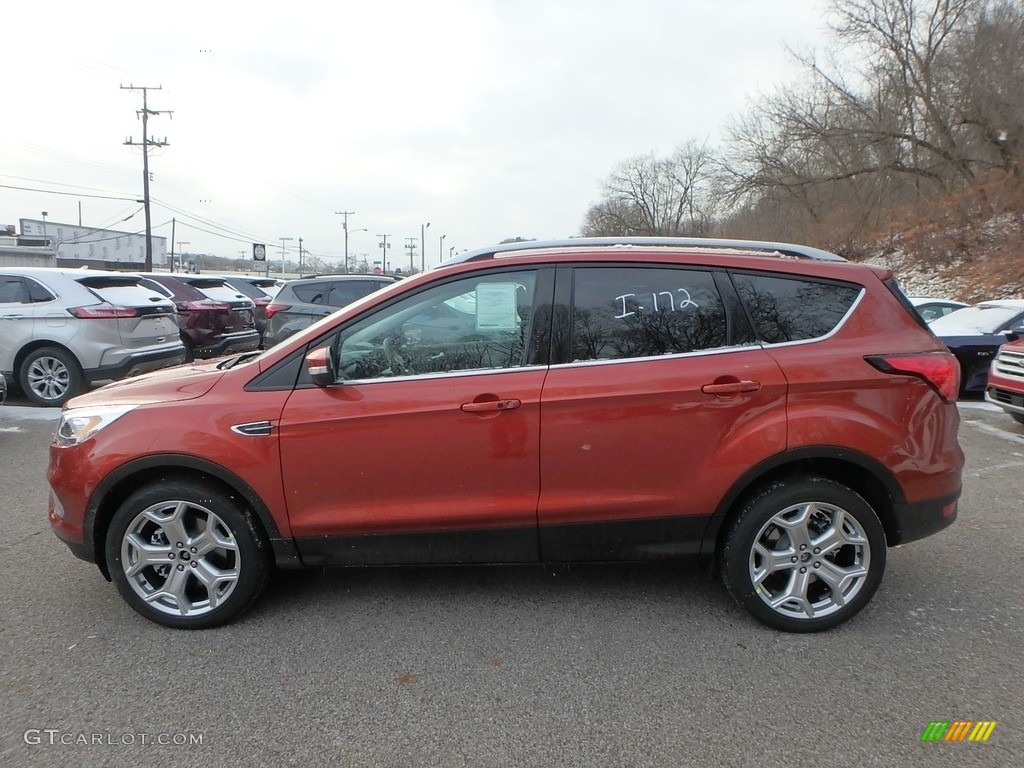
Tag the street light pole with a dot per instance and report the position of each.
(440, 248)
(283, 239)
(181, 254)
(423, 246)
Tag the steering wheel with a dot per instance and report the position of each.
(395, 361)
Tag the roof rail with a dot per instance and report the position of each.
(786, 249)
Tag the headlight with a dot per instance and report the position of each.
(79, 424)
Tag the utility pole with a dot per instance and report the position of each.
(410, 244)
(423, 246)
(146, 144)
(300, 257)
(173, 223)
(384, 252)
(344, 225)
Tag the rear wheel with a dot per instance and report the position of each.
(186, 555)
(50, 376)
(804, 555)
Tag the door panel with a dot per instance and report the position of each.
(369, 463)
(635, 457)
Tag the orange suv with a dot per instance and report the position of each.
(768, 405)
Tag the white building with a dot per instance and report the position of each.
(79, 246)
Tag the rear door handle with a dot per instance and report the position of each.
(731, 388)
(491, 405)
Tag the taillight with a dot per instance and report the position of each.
(261, 302)
(940, 370)
(273, 309)
(102, 312)
(203, 305)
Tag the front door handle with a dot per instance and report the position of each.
(491, 405)
(731, 387)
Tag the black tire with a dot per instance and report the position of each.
(789, 564)
(50, 376)
(192, 548)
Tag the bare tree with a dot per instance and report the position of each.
(935, 107)
(652, 196)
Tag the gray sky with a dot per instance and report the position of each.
(489, 119)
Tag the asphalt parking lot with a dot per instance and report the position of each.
(517, 666)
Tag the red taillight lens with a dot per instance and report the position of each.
(940, 370)
(102, 312)
(204, 305)
(273, 309)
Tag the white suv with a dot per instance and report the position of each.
(64, 329)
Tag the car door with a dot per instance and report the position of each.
(426, 448)
(657, 403)
(16, 323)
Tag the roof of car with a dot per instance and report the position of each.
(918, 300)
(746, 247)
(345, 275)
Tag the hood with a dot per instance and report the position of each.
(183, 382)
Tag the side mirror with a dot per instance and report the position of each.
(321, 367)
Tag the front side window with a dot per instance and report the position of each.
(476, 323)
(793, 309)
(630, 312)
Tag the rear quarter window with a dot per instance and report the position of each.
(786, 309)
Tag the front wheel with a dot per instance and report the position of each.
(186, 554)
(804, 555)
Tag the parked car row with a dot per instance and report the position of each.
(64, 330)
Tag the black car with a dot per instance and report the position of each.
(260, 299)
(300, 303)
(974, 334)
(213, 317)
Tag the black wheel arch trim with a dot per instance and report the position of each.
(792, 459)
(285, 554)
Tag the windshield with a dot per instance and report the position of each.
(987, 318)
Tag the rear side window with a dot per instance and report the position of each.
(793, 309)
(343, 293)
(630, 312)
(311, 293)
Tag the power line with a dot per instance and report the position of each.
(70, 194)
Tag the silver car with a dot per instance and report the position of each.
(62, 330)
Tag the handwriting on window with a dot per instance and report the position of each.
(668, 301)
